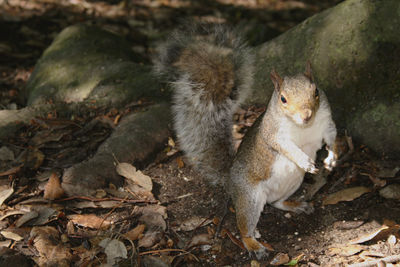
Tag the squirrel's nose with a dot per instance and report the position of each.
(306, 115)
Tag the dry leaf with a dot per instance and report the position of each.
(346, 225)
(135, 233)
(348, 194)
(5, 193)
(193, 223)
(198, 240)
(34, 158)
(52, 252)
(114, 249)
(345, 251)
(11, 235)
(128, 171)
(5, 243)
(89, 220)
(280, 259)
(368, 236)
(13, 170)
(53, 189)
(391, 191)
(26, 218)
(156, 226)
(150, 238)
(6, 154)
(180, 162)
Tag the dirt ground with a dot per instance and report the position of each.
(200, 224)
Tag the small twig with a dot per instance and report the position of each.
(389, 259)
(136, 201)
(108, 214)
(163, 250)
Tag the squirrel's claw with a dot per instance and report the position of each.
(310, 167)
(330, 161)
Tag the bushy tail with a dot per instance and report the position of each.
(211, 72)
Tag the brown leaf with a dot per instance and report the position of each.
(89, 220)
(391, 191)
(347, 194)
(5, 193)
(34, 158)
(345, 251)
(200, 239)
(150, 238)
(53, 189)
(47, 241)
(13, 170)
(280, 259)
(11, 235)
(369, 236)
(180, 162)
(135, 233)
(346, 225)
(128, 171)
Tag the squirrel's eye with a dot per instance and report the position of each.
(316, 93)
(283, 99)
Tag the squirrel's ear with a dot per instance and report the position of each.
(308, 72)
(276, 79)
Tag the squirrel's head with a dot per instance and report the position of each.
(298, 96)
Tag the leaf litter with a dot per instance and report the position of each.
(54, 144)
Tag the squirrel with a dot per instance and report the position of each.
(211, 73)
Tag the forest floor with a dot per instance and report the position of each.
(183, 221)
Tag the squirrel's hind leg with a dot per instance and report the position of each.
(249, 205)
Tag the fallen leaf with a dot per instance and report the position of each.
(5, 193)
(391, 191)
(52, 252)
(346, 225)
(26, 218)
(11, 235)
(114, 249)
(279, 259)
(193, 223)
(5, 243)
(180, 162)
(53, 189)
(254, 263)
(45, 215)
(153, 220)
(128, 171)
(89, 220)
(13, 170)
(369, 236)
(347, 194)
(34, 158)
(200, 239)
(135, 233)
(6, 154)
(155, 225)
(345, 251)
(150, 238)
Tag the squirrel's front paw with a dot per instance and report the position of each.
(330, 160)
(309, 166)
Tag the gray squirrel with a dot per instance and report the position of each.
(211, 72)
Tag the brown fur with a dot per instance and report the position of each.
(251, 244)
(214, 73)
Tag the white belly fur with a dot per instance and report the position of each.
(286, 176)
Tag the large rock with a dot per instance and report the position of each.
(87, 64)
(354, 49)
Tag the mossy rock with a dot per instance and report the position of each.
(88, 64)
